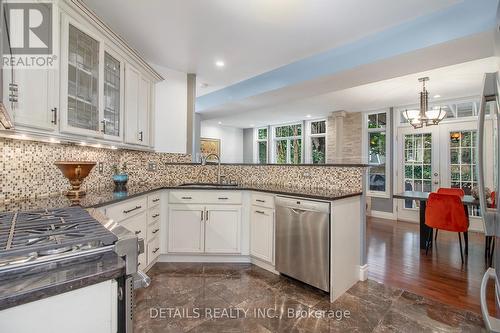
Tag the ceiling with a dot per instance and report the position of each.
(461, 80)
(251, 37)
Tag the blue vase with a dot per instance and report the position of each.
(120, 181)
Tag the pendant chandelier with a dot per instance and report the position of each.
(424, 116)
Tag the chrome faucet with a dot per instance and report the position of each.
(204, 162)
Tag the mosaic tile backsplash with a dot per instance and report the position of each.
(27, 170)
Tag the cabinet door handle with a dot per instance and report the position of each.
(155, 231)
(131, 210)
(206, 216)
(137, 232)
(156, 250)
(103, 122)
(156, 215)
(201, 216)
(222, 198)
(54, 116)
(186, 198)
(141, 136)
(156, 200)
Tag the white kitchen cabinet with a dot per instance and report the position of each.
(35, 104)
(137, 107)
(222, 229)
(137, 224)
(91, 83)
(89, 309)
(186, 229)
(262, 233)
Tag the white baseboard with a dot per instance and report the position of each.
(264, 265)
(382, 215)
(363, 272)
(203, 258)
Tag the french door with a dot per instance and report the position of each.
(438, 156)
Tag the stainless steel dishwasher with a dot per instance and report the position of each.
(303, 240)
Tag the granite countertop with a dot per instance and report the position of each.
(103, 197)
(37, 282)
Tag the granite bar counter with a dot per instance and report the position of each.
(106, 196)
(41, 281)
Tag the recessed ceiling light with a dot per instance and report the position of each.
(220, 63)
(437, 96)
(220, 123)
(308, 116)
(252, 125)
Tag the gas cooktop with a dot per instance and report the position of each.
(28, 235)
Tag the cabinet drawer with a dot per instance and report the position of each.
(126, 209)
(153, 230)
(263, 200)
(205, 197)
(153, 199)
(136, 224)
(153, 249)
(154, 215)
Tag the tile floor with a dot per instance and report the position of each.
(186, 297)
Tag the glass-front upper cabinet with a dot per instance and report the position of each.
(91, 82)
(83, 80)
(112, 96)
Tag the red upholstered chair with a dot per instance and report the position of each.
(446, 212)
(451, 191)
(461, 194)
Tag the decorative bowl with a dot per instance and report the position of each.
(75, 171)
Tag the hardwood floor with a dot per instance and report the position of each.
(394, 258)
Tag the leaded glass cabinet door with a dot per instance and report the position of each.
(80, 69)
(111, 123)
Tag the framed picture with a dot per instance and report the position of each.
(210, 146)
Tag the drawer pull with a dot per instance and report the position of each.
(137, 232)
(186, 198)
(260, 212)
(131, 210)
(156, 230)
(156, 215)
(138, 264)
(260, 200)
(222, 198)
(156, 200)
(156, 250)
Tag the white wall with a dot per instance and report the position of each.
(171, 111)
(231, 141)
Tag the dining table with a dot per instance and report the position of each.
(422, 198)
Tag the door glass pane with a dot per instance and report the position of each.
(262, 146)
(463, 173)
(318, 146)
(417, 164)
(83, 79)
(111, 95)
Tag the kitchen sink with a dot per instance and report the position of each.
(207, 185)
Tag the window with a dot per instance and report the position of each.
(262, 145)
(287, 144)
(417, 164)
(376, 127)
(316, 147)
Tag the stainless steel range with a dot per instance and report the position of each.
(41, 237)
